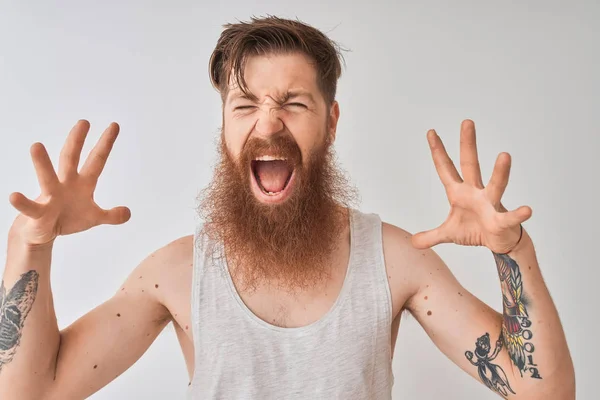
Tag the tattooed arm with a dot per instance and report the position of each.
(37, 361)
(29, 336)
(519, 354)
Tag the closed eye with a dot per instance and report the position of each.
(239, 108)
(296, 105)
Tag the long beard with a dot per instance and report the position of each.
(289, 245)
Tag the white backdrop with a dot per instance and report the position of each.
(527, 74)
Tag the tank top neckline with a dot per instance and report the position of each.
(300, 330)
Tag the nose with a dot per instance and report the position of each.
(268, 123)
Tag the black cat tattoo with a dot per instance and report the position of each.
(14, 307)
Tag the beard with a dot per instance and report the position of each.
(288, 244)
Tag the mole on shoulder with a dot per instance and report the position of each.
(429, 313)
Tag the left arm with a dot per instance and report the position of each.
(521, 353)
(526, 342)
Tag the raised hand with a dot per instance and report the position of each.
(477, 216)
(66, 202)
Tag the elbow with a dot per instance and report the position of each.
(558, 386)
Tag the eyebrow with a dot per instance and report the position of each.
(287, 96)
(241, 95)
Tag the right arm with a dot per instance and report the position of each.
(37, 361)
(84, 357)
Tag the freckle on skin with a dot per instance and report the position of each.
(156, 286)
(460, 294)
(426, 297)
(186, 327)
(118, 315)
(429, 313)
(95, 366)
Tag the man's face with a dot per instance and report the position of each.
(277, 199)
(272, 133)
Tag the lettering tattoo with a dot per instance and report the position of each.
(492, 375)
(516, 325)
(14, 307)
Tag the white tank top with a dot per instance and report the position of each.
(344, 355)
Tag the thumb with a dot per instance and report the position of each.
(115, 216)
(430, 238)
(516, 217)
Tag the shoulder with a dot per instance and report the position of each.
(163, 271)
(177, 251)
(172, 254)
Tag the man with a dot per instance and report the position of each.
(285, 291)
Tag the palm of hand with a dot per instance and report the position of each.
(65, 204)
(477, 216)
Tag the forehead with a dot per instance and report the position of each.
(278, 75)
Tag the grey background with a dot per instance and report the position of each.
(525, 72)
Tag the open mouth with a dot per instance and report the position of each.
(272, 176)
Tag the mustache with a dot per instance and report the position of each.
(282, 145)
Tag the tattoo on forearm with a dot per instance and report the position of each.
(14, 307)
(516, 325)
(492, 375)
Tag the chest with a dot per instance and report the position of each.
(291, 310)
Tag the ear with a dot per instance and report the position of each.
(334, 116)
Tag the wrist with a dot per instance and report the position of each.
(18, 244)
(17, 238)
(523, 243)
